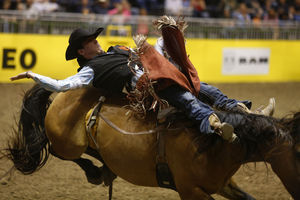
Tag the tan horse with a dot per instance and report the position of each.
(201, 165)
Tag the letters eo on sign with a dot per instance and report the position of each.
(9, 58)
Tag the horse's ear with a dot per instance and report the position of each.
(297, 148)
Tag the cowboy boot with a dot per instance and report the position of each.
(267, 111)
(224, 129)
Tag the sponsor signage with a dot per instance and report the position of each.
(246, 61)
(9, 58)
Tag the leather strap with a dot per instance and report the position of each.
(163, 174)
(93, 119)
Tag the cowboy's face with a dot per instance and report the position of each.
(90, 48)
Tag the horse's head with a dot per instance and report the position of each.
(286, 164)
(274, 141)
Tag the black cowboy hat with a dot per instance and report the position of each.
(75, 41)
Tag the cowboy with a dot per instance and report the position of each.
(109, 71)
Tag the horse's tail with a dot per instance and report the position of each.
(29, 147)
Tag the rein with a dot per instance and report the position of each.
(111, 124)
(156, 130)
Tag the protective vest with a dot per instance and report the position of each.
(111, 72)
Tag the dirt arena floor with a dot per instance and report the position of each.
(63, 180)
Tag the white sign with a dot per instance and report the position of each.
(246, 61)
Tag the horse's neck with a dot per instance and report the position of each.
(260, 136)
(265, 152)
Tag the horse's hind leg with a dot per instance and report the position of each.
(233, 192)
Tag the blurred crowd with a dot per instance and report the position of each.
(242, 10)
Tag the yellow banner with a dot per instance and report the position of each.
(283, 62)
(215, 60)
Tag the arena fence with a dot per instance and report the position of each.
(64, 23)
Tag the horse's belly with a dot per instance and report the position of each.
(132, 157)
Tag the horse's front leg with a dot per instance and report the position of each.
(106, 174)
(193, 193)
(232, 191)
(93, 173)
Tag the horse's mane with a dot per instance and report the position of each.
(252, 130)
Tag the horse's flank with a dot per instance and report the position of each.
(64, 122)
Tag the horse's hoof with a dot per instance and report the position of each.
(95, 181)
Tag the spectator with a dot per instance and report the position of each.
(227, 6)
(85, 7)
(173, 7)
(242, 14)
(255, 10)
(187, 9)
(295, 10)
(271, 10)
(271, 15)
(28, 3)
(100, 7)
(283, 10)
(142, 23)
(270, 4)
(227, 13)
(154, 7)
(121, 7)
(69, 5)
(6, 5)
(135, 7)
(199, 8)
(212, 8)
(43, 6)
(20, 5)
